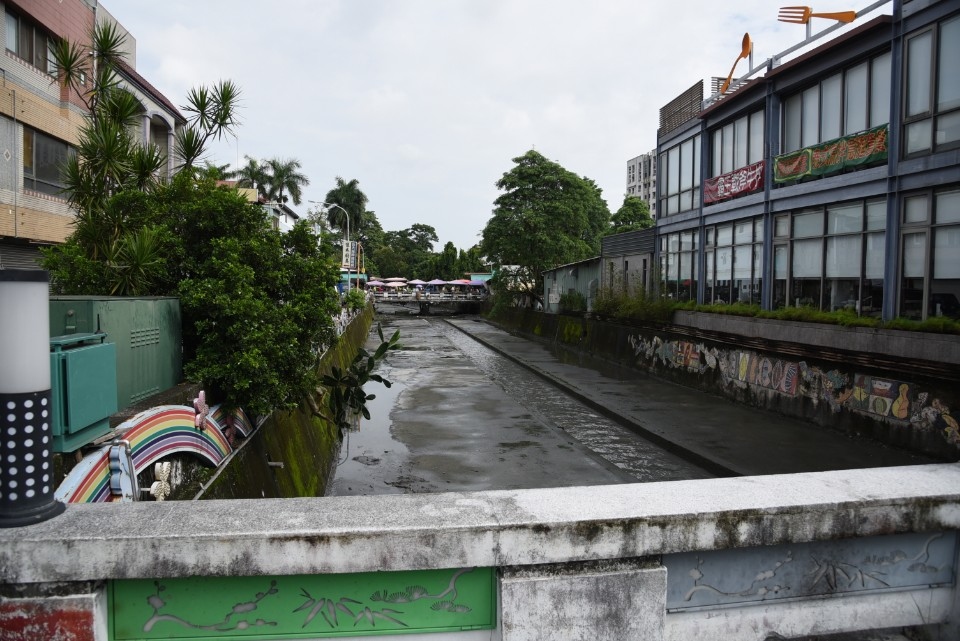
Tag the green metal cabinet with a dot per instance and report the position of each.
(83, 384)
(146, 332)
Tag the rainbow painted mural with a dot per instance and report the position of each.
(152, 435)
(239, 418)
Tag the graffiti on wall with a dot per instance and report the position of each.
(901, 402)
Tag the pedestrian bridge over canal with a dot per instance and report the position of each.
(748, 558)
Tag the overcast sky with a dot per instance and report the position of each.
(426, 102)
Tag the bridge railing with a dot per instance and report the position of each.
(739, 558)
(428, 298)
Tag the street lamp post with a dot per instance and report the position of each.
(349, 249)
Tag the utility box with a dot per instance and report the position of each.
(83, 389)
(145, 331)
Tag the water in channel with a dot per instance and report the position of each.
(461, 417)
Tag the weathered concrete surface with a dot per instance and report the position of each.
(714, 431)
(936, 348)
(583, 602)
(787, 368)
(484, 529)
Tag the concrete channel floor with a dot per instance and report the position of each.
(723, 436)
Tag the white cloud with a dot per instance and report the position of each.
(426, 102)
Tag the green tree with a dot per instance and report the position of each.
(391, 262)
(547, 216)
(283, 175)
(445, 264)
(253, 175)
(256, 304)
(412, 251)
(350, 197)
(634, 214)
(111, 251)
(109, 156)
(370, 235)
(470, 260)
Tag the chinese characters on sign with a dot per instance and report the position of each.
(834, 155)
(741, 181)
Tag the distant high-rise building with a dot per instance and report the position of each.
(642, 179)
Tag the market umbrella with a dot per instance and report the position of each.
(375, 283)
(437, 281)
(396, 284)
(416, 281)
(396, 279)
(460, 281)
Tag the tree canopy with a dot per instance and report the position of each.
(547, 216)
(349, 196)
(256, 304)
(634, 214)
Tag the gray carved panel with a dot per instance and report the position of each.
(730, 577)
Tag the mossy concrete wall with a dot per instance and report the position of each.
(293, 452)
(900, 388)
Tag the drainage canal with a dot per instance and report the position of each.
(460, 417)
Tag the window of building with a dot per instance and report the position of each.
(30, 43)
(930, 255)
(844, 103)
(831, 258)
(680, 177)
(679, 264)
(738, 144)
(932, 89)
(43, 158)
(734, 262)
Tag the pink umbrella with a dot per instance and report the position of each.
(396, 284)
(416, 281)
(396, 279)
(437, 281)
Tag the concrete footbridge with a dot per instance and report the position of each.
(427, 302)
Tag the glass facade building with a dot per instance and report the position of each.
(831, 181)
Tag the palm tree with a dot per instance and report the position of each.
(253, 175)
(285, 176)
(218, 172)
(347, 195)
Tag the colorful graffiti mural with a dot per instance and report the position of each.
(150, 436)
(885, 399)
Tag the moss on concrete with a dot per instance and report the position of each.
(293, 452)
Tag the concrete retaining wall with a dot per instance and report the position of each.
(292, 454)
(900, 388)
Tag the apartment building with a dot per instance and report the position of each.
(642, 179)
(831, 181)
(40, 121)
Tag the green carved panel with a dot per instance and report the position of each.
(303, 606)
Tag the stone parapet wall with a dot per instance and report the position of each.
(599, 563)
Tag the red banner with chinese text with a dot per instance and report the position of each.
(733, 184)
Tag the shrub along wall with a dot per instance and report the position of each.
(898, 387)
(303, 443)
